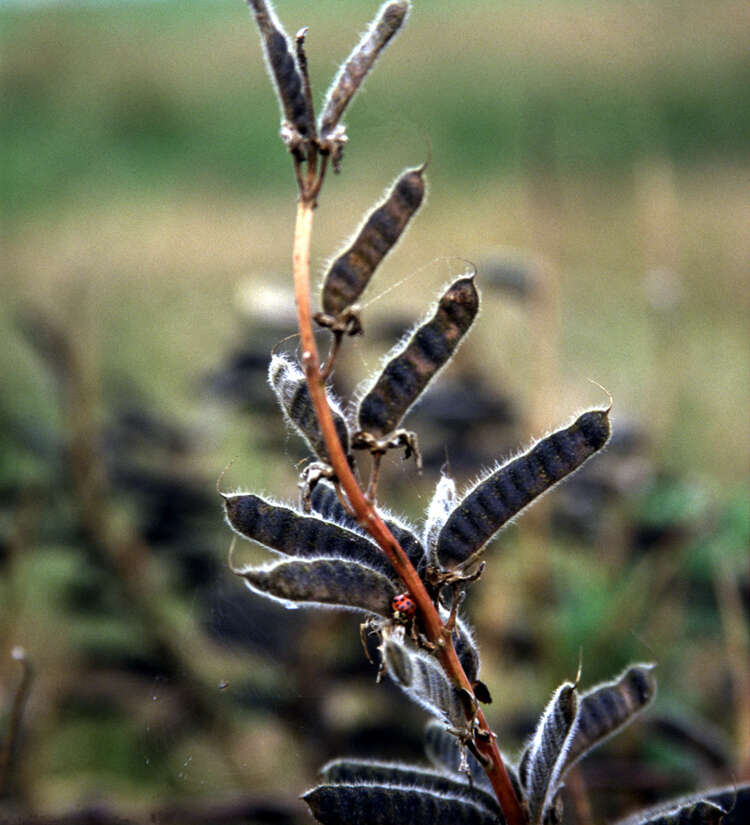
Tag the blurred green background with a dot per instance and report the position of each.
(599, 152)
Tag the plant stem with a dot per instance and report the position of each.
(369, 519)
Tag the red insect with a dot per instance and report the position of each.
(404, 608)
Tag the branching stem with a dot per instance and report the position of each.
(368, 517)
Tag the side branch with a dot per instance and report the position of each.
(369, 519)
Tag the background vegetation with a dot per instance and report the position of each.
(597, 151)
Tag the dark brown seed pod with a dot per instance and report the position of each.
(286, 531)
(325, 502)
(349, 78)
(423, 680)
(607, 708)
(362, 772)
(351, 271)
(417, 360)
(386, 805)
(290, 388)
(299, 122)
(501, 494)
(546, 746)
(323, 583)
(696, 812)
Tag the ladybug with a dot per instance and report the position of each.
(404, 608)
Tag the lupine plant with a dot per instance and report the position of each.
(340, 548)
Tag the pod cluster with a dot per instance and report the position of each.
(288, 70)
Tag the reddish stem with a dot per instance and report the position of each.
(368, 517)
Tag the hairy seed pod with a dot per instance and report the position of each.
(466, 649)
(325, 502)
(416, 361)
(290, 387)
(361, 772)
(442, 503)
(387, 805)
(733, 800)
(351, 271)
(323, 582)
(697, 812)
(284, 70)
(423, 680)
(504, 492)
(351, 74)
(286, 531)
(546, 747)
(607, 708)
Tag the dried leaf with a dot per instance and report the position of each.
(414, 362)
(501, 494)
(323, 582)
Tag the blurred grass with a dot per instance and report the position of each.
(172, 94)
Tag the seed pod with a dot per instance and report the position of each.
(323, 582)
(361, 772)
(283, 68)
(351, 74)
(442, 503)
(466, 649)
(386, 805)
(418, 359)
(697, 812)
(544, 750)
(607, 708)
(286, 531)
(290, 387)
(351, 271)
(501, 494)
(423, 680)
(326, 503)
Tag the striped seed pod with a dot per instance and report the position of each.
(361, 772)
(538, 764)
(386, 805)
(290, 533)
(423, 680)
(325, 502)
(695, 812)
(323, 583)
(290, 387)
(501, 494)
(733, 800)
(299, 121)
(417, 360)
(607, 708)
(351, 271)
(351, 74)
